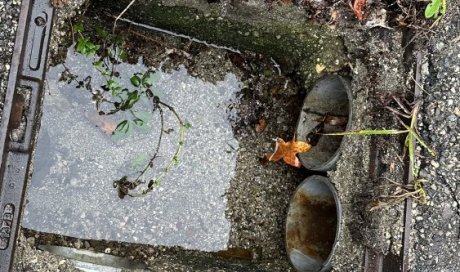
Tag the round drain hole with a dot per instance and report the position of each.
(313, 225)
(331, 96)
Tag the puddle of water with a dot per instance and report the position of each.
(76, 162)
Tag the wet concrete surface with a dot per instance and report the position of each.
(77, 160)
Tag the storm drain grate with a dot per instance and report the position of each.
(20, 117)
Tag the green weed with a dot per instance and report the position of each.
(411, 138)
(106, 51)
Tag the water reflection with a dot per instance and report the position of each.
(77, 160)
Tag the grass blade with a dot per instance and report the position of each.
(422, 143)
(411, 148)
(368, 132)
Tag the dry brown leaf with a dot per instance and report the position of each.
(288, 151)
(103, 122)
(260, 127)
(58, 3)
(357, 8)
(334, 120)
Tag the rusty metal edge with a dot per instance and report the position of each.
(406, 241)
(373, 261)
(31, 47)
(8, 253)
(14, 73)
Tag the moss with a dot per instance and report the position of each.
(296, 46)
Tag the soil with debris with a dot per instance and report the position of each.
(382, 51)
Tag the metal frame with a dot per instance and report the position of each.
(28, 67)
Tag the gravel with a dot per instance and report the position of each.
(9, 15)
(437, 225)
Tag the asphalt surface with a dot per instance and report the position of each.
(437, 225)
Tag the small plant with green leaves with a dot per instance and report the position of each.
(435, 8)
(415, 190)
(112, 98)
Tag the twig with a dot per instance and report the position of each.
(121, 14)
(71, 30)
(157, 149)
(173, 161)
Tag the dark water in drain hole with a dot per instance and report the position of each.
(313, 226)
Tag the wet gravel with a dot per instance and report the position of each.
(437, 225)
(9, 15)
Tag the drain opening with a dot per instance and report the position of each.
(312, 225)
(330, 96)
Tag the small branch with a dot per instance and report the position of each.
(173, 111)
(174, 157)
(121, 14)
(157, 149)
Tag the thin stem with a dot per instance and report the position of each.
(173, 111)
(174, 157)
(71, 30)
(397, 112)
(157, 149)
(121, 14)
(366, 132)
(421, 142)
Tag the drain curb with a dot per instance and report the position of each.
(282, 35)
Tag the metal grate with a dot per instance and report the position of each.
(21, 112)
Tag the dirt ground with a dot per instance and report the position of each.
(382, 51)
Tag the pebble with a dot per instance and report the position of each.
(435, 164)
(457, 111)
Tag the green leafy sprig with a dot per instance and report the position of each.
(435, 8)
(108, 52)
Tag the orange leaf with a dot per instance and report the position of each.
(288, 151)
(357, 8)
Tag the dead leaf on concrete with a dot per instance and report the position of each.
(260, 127)
(357, 8)
(103, 122)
